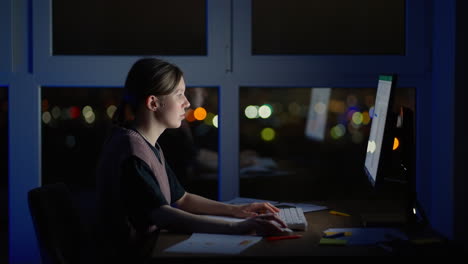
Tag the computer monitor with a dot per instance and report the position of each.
(381, 138)
(390, 153)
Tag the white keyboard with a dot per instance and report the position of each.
(294, 217)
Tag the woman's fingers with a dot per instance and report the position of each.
(273, 217)
(264, 208)
(271, 208)
(267, 224)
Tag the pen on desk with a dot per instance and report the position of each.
(338, 213)
(273, 238)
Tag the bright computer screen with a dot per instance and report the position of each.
(379, 133)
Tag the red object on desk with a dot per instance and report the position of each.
(274, 238)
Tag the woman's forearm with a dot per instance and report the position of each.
(199, 205)
(178, 220)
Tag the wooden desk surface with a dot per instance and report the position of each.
(307, 245)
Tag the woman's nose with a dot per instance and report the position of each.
(187, 103)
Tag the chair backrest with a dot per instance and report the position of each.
(59, 231)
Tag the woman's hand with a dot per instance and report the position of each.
(254, 209)
(263, 225)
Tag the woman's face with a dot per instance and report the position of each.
(173, 110)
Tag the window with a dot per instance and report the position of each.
(328, 27)
(276, 134)
(116, 27)
(76, 121)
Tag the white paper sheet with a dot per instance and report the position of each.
(214, 244)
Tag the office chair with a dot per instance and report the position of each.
(60, 233)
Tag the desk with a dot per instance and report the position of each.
(307, 245)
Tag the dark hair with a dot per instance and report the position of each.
(148, 76)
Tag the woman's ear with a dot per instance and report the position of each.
(152, 103)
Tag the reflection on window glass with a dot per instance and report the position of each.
(118, 27)
(4, 175)
(76, 121)
(328, 27)
(306, 143)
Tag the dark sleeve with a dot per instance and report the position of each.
(141, 193)
(177, 190)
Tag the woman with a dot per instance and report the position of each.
(138, 194)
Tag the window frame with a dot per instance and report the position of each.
(5, 41)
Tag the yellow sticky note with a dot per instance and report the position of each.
(332, 242)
